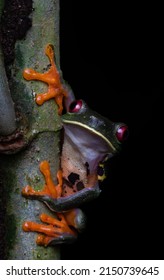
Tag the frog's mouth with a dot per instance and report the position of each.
(83, 150)
(92, 145)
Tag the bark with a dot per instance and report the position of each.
(40, 126)
(7, 113)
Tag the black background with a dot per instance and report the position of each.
(112, 56)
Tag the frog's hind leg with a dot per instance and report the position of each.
(55, 231)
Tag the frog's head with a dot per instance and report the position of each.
(95, 137)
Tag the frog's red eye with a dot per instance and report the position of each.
(122, 133)
(75, 106)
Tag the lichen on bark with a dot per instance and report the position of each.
(41, 127)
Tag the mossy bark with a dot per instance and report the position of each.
(7, 113)
(20, 170)
(41, 126)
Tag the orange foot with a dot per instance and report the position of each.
(52, 78)
(55, 232)
(49, 189)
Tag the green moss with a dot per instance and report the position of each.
(41, 122)
(35, 182)
(46, 254)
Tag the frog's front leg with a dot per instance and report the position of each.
(52, 78)
(51, 193)
(55, 231)
(50, 189)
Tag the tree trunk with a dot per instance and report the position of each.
(7, 113)
(40, 126)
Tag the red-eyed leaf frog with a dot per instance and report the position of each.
(89, 140)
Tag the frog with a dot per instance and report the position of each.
(89, 141)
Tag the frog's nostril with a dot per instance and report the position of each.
(122, 133)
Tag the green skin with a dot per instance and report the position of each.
(94, 139)
(89, 139)
(94, 123)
